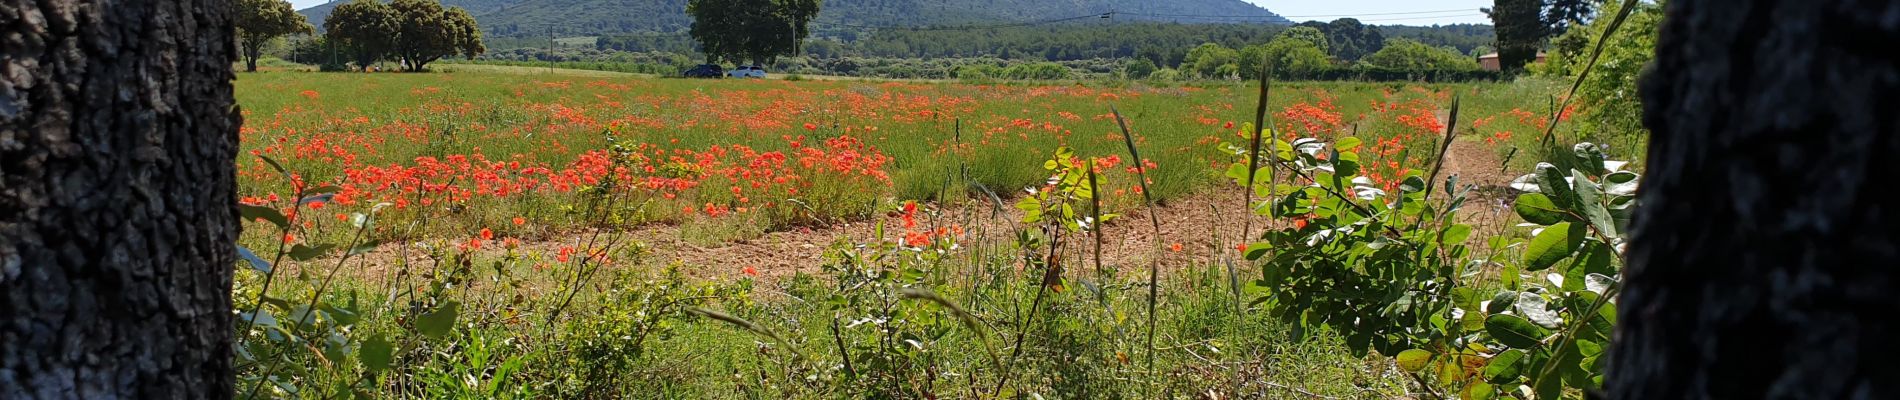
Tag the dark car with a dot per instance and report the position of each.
(705, 71)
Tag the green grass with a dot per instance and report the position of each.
(326, 126)
(631, 329)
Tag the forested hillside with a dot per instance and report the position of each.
(600, 17)
(317, 13)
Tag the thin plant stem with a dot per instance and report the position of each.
(1154, 268)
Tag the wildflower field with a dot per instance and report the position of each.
(500, 235)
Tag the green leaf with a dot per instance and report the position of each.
(1237, 172)
(1514, 331)
(1464, 297)
(302, 315)
(1348, 143)
(1598, 283)
(1412, 184)
(316, 198)
(1550, 385)
(256, 263)
(1457, 234)
(253, 213)
(275, 166)
(322, 190)
(1554, 244)
(364, 248)
(1505, 367)
(1594, 259)
(1479, 391)
(1581, 372)
(262, 318)
(1414, 360)
(1537, 209)
(1590, 203)
(376, 354)
(1621, 183)
(438, 323)
(307, 253)
(1471, 321)
(1551, 183)
(1032, 209)
(1533, 307)
(1590, 156)
(1257, 250)
(1502, 302)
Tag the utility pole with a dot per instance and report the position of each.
(550, 49)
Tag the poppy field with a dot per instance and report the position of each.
(501, 235)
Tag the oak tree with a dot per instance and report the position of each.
(426, 31)
(365, 28)
(118, 199)
(1408, 54)
(261, 21)
(756, 30)
(1763, 262)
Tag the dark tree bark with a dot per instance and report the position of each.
(117, 199)
(1765, 262)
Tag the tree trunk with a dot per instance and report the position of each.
(251, 53)
(117, 199)
(1765, 262)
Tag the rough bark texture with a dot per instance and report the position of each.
(117, 209)
(1764, 261)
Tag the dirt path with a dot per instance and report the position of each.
(1128, 243)
(1204, 226)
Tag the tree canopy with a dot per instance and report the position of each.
(1348, 39)
(1561, 15)
(1401, 53)
(1520, 30)
(416, 32)
(1308, 34)
(260, 21)
(1207, 59)
(754, 30)
(1294, 53)
(426, 31)
(366, 29)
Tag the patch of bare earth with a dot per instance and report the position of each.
(1197, 229)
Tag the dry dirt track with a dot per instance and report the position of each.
(1204, 225)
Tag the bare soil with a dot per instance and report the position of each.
(1198, 229)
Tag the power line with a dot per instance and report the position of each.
(971, 27)
(1218, 19)
(1380, 14)
(1464, 10)
(1419, 18)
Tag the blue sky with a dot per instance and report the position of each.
(1444, 11)
(1447, 11)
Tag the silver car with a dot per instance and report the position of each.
(747, 71)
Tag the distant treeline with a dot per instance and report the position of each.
(1160, 52)
(1166, 44)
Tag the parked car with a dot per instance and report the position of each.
(747, 71)
(713, 71)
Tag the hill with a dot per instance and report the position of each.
(505, 18)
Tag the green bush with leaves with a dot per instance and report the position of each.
(1402, 53)
(1609, 107)
(1379, 268)
(1540, 337)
